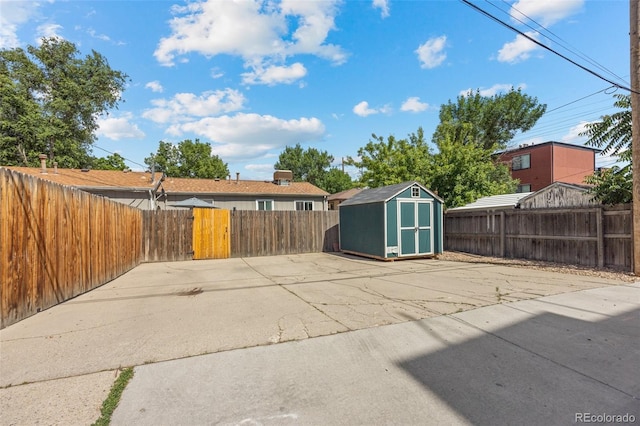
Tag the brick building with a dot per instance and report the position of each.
(537, 166)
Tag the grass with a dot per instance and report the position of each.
(109, 405)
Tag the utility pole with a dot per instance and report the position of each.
(634, 42)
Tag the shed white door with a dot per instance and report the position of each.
(415, 230)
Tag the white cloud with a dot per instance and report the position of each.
(93, 34)
(383, 5)
(430, 53)
(545, 12)
(363, 110)
(155, 86)
(413, 104)
(14, 14)
(275, 74)
(49, 30)
(248, 136)
(518, 50)
(216, 73)
(573, 135)
(493, 90)
(117, 128)
(258, 31)
(259, 167)
(185, 106)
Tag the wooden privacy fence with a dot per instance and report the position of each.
(57, 242)
(595, 236)
(268, 233)
(167, 235)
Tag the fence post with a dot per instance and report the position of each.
(600, 237)
(502, 234)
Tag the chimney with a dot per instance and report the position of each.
(43, 163)
(237, 177)
(229, 179)
(55, 167)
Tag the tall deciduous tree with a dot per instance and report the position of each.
(393, 161)
(494, 120)
(114, 161)
(313, 166)
(613, 135)
(51, 99)
(190, 159)
(461, 173)
(307, 165)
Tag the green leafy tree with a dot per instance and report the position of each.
(612, 186)
(494, 120)
(613, 135)
(393, 161)
(112, 162)
(461, 173)
(335, 180)
(308, 165)
(190, 159)
(61, 95)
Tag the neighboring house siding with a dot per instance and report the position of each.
(246, 202)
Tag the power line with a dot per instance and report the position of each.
(533, 40)
(124, 158)
(554, 38)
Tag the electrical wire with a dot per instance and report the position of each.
(533, 40)
(124, 158)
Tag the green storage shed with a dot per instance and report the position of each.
(393, 222)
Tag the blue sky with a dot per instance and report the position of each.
(251, 77)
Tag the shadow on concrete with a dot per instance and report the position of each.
(542, 371)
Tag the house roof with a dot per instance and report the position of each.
(538, 145)
(141, 181)
(344, 195)
(494, 202)
(383, 194)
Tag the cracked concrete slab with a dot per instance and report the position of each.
(165, 311)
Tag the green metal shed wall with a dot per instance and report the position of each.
(361, 228)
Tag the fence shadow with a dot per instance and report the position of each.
(539, 372)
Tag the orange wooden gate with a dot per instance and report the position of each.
(211, 233)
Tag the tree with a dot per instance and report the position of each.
(494, 120)
(393, 161)
(308, 165)
(111, 162)
(612, 186)
(188, 159)
(335, 180)
(51, 101)
(613, 135)
(461, 173)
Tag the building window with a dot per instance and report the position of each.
(524, 188)
(304, 205)
(521, 162)
(265, 204)
(415, 192)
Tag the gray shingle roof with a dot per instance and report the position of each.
(382, 194)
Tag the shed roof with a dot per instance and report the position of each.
(384, 194)
(142, 181)
(494, 202)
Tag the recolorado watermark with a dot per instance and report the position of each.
(604, 418)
